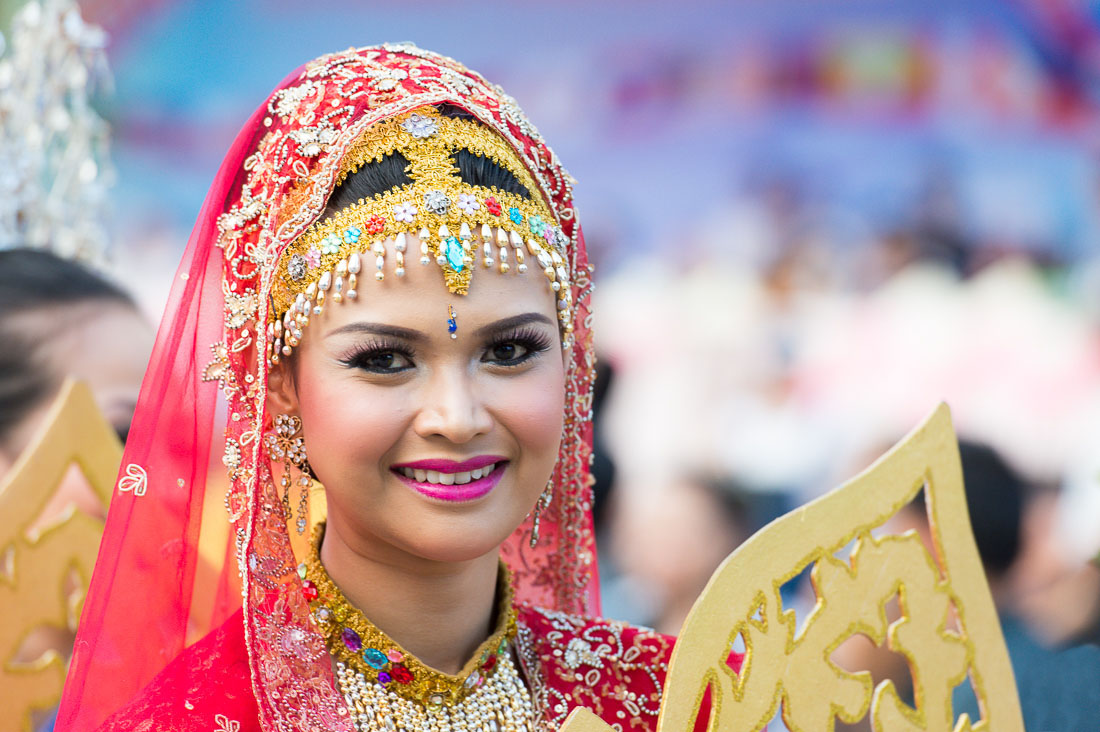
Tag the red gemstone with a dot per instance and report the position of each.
(309, 591)
(401, 675)
(375, 224)
(493, 206)
(490, 662)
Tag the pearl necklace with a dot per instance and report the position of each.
(501, 704)
(387, 688)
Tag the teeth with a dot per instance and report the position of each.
(434, 476)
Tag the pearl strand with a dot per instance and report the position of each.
(501, 704)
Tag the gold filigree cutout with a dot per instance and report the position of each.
(947, 629)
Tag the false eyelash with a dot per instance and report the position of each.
(362, 354)
(534, 339)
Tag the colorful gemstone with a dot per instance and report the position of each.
(375, 224)
(515, 215)
(395, 656)
(537, 225)
(401, 675)
(351, 640)
(472, 680)
(493, 206)
(435, 701)
(302, 570)
(452, 249)
(351, 236)
(490, 662)
(309, 591)
(375, 658)
(384, 678)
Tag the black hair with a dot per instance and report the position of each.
(995, 496)
(32, 280)
(995, 500)
(392, 171)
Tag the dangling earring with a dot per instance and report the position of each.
(287, 444)
(541, 505)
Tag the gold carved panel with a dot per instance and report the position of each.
(947, 630)
(45, 565)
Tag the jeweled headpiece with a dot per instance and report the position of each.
(452, 222)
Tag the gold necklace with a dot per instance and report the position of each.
(389, 688)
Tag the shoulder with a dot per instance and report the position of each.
(207, 687)
(614, 669)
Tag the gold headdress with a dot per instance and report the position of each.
(451, 220)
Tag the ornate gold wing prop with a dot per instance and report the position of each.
(948, 627)
(39, 564)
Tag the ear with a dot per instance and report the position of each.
(282, 394)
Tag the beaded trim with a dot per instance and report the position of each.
(363, 647)
(451, 220)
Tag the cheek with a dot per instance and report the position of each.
(348, 430)
(531, 410)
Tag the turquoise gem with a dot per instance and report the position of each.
(375, 658)
(454, 253)
(515, 215)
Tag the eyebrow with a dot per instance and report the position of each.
(415, 336)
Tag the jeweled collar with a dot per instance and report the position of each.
(354, 640)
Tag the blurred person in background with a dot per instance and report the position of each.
(668, 541)
(60, 320)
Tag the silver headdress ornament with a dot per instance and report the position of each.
(54, 164)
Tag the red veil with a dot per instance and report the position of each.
(202, 409)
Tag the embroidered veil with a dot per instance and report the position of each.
(202, 409)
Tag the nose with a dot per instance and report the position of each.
(452, 407)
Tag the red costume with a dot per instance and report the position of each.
(615, 670)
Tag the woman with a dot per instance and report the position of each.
(389, 284)
(52, 312)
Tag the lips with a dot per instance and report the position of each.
(451, 481)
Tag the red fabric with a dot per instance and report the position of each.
(617, 671)
(145, 602)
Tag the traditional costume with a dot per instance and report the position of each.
(287, 651)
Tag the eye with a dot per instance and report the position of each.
(515, 349)
(510, 351)
(380, 359)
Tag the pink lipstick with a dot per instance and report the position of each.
(450, 480)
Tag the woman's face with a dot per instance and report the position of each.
(400, 419)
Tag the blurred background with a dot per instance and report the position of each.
(812, 222)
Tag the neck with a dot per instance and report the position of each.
(438, 611)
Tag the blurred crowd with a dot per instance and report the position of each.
(768, 361)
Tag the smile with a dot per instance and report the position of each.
(450, 481)
(440, 478)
